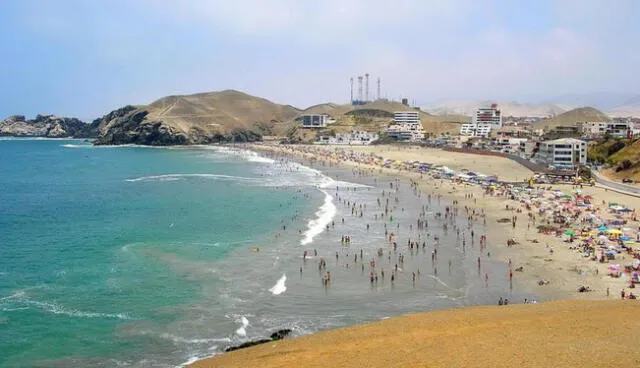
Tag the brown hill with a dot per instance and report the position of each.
(555, 334)
(198, 118)
(572, 117)
(222, 112)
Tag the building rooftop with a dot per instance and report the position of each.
(565, 140)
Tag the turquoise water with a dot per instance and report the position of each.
(98, 245)
(147, 257)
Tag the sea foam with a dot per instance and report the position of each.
(324, 215)
(280, 286)
(172, 177)
(242, 331)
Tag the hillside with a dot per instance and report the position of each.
(622, 155)
(196, 119)
(554, 334)
(508, 108)
(572, 117)
(375, 117)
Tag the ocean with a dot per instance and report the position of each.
(154, 257)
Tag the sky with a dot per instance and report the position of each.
(85, 58)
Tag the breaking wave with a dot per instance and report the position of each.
(280, 286)
(173, 177)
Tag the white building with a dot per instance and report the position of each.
(406, 126)
(352, 138)
(488, 115)
(620, 128)
(562, 153)
(475, 130)
(406, 117)
(315, 120)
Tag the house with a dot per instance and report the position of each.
(562, 153)
(475, 130)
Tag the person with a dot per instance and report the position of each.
(500, 301)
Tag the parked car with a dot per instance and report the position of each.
(627, 180)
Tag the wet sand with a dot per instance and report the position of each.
(554, 334)
(565, 269)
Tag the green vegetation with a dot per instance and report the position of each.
(602, 151)
(370, 113)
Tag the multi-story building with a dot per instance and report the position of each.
(475, 130)
(562, 153)
(619, 127)
(406, 126)
(406, 117)
(488, 115)
(315, 120)
(484, 120)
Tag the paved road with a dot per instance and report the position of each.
(618, 186)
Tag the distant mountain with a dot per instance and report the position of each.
(630, 107)
(516, 109)
(48, 126)
(572, 117)
(225, 116)
(604, 101)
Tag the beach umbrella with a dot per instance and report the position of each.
(569, 232)
(614, 231)
(614, 267)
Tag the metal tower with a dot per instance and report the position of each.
(351, 90)
(366, 98)
(360, 88)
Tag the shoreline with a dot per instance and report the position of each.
(569, 270)
(567, 273)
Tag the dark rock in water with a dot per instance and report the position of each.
(278, 335)
(247, 344)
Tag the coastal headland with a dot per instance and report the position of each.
(552, 334)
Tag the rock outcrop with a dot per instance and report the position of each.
(49, 126)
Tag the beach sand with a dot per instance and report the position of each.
(553, 334)
(565, 269)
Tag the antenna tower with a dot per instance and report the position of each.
(359, 88)
(366, 98)
(378, 88)
(351, 90)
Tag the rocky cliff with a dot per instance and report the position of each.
(227, 116)
(46, 126)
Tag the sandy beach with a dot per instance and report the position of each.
(546, 265)
(553, 334)
(565, 269)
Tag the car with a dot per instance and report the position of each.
(627, 180)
